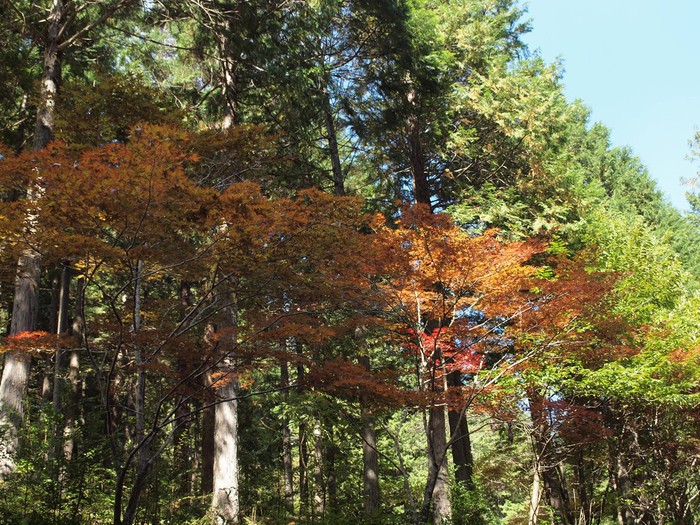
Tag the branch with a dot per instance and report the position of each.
(109, 12)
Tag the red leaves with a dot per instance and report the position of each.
(35, 342)
(354, 382)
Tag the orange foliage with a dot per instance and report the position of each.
(313, 268)
(35, 342)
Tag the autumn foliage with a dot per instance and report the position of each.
(183, 279)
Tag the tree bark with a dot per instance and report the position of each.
(62, 328)
(225, 490)
(535, 496)
(15, 373)
(303, 454)
(72, 407)
(331, 482)
(370, 461)
(332, 137)
(50, 78)
(461, 440)
(319, 488)
(585, 517)
(208, 423)
(370, 457)
(287, 464)
(228, 76)
(140, 440)
(225, 496)
(437, 487)
(623, 485)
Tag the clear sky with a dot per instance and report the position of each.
(636, 64)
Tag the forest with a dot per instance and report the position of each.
(277, 262)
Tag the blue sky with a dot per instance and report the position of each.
(636, 64)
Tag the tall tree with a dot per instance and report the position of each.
(66, 24)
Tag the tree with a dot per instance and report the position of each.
(438, 274)
(65, 25)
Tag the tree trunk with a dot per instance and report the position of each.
(370, 461)
(225, 490)
(50, 78)
(303, 454)
(416, 153)
(62, 327)
(546, 460)
(585, 517)
(370, 458)
(319, 488)
(287, 443)
(535, 496)
(72, 407)
(52, 365)
(332, 137)
(331, 482)
(461, 440)
(208, 419)
(437, 488)
(139, 439)
(140, 387)
(228, 77)
(225, 497)
(15, 373)
(623, 485)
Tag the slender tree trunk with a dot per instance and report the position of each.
(319, 487)
(287, 464)
(581, 489)
(535, 496)
(303, 454)
(72, 407)
(331, 481)
(141, 440)
(46, 383)
(62, 328)
(52, 366)
(140, 390)
(182, 457)
(370, 458)
(546, 460)
(208, 423)
(195, 468)
(332, 137)
(623, 486)
(228, 77)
